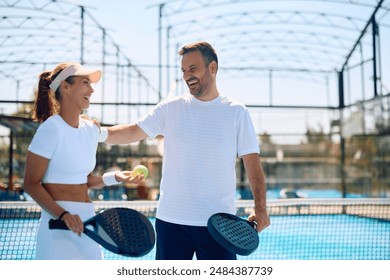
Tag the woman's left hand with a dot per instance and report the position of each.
(127, 177)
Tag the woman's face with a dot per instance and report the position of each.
(80, 91)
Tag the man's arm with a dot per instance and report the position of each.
(125, 134)
(257, 182)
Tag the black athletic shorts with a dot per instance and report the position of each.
(181, 242)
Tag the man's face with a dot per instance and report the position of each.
(195, 73)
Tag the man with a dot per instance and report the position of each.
(204, 133)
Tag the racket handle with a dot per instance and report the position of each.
(57, 224)
(252, 224)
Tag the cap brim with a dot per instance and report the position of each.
(93, 74)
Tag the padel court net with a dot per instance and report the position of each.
(301, 229)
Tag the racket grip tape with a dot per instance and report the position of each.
(57, 224)
(252, 224)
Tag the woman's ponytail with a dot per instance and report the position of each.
(45, 104)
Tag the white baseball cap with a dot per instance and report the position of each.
(75, 69)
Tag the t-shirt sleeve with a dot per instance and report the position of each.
(247, 142)
(153, 122)
(45, 140)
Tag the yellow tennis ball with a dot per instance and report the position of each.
(141, 169)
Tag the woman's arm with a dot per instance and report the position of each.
(35, 169)
(96, 182)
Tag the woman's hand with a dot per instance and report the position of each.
(127, 177)
(74, 223)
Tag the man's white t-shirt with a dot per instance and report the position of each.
(201, 143)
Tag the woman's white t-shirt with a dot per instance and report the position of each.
(71, 151)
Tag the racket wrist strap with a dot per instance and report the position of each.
(109, 178)
(62, 215)
(103, 135)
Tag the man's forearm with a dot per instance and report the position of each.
(257, 183)
(256, 179)
(125, 134)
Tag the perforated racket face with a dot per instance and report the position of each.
(233, 233)
(131, 231)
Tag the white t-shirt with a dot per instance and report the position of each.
(71, 151)
(201, 143)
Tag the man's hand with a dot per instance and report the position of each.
(261, 218)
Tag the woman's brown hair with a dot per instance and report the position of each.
(47, 104)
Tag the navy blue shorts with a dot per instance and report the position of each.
(180, 242)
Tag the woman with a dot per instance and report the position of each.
(60, 160)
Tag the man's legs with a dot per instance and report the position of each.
(173, 243)
(179, 242)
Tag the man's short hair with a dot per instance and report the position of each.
(208, 53)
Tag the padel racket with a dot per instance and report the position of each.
(237, 235)
(122, 231)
